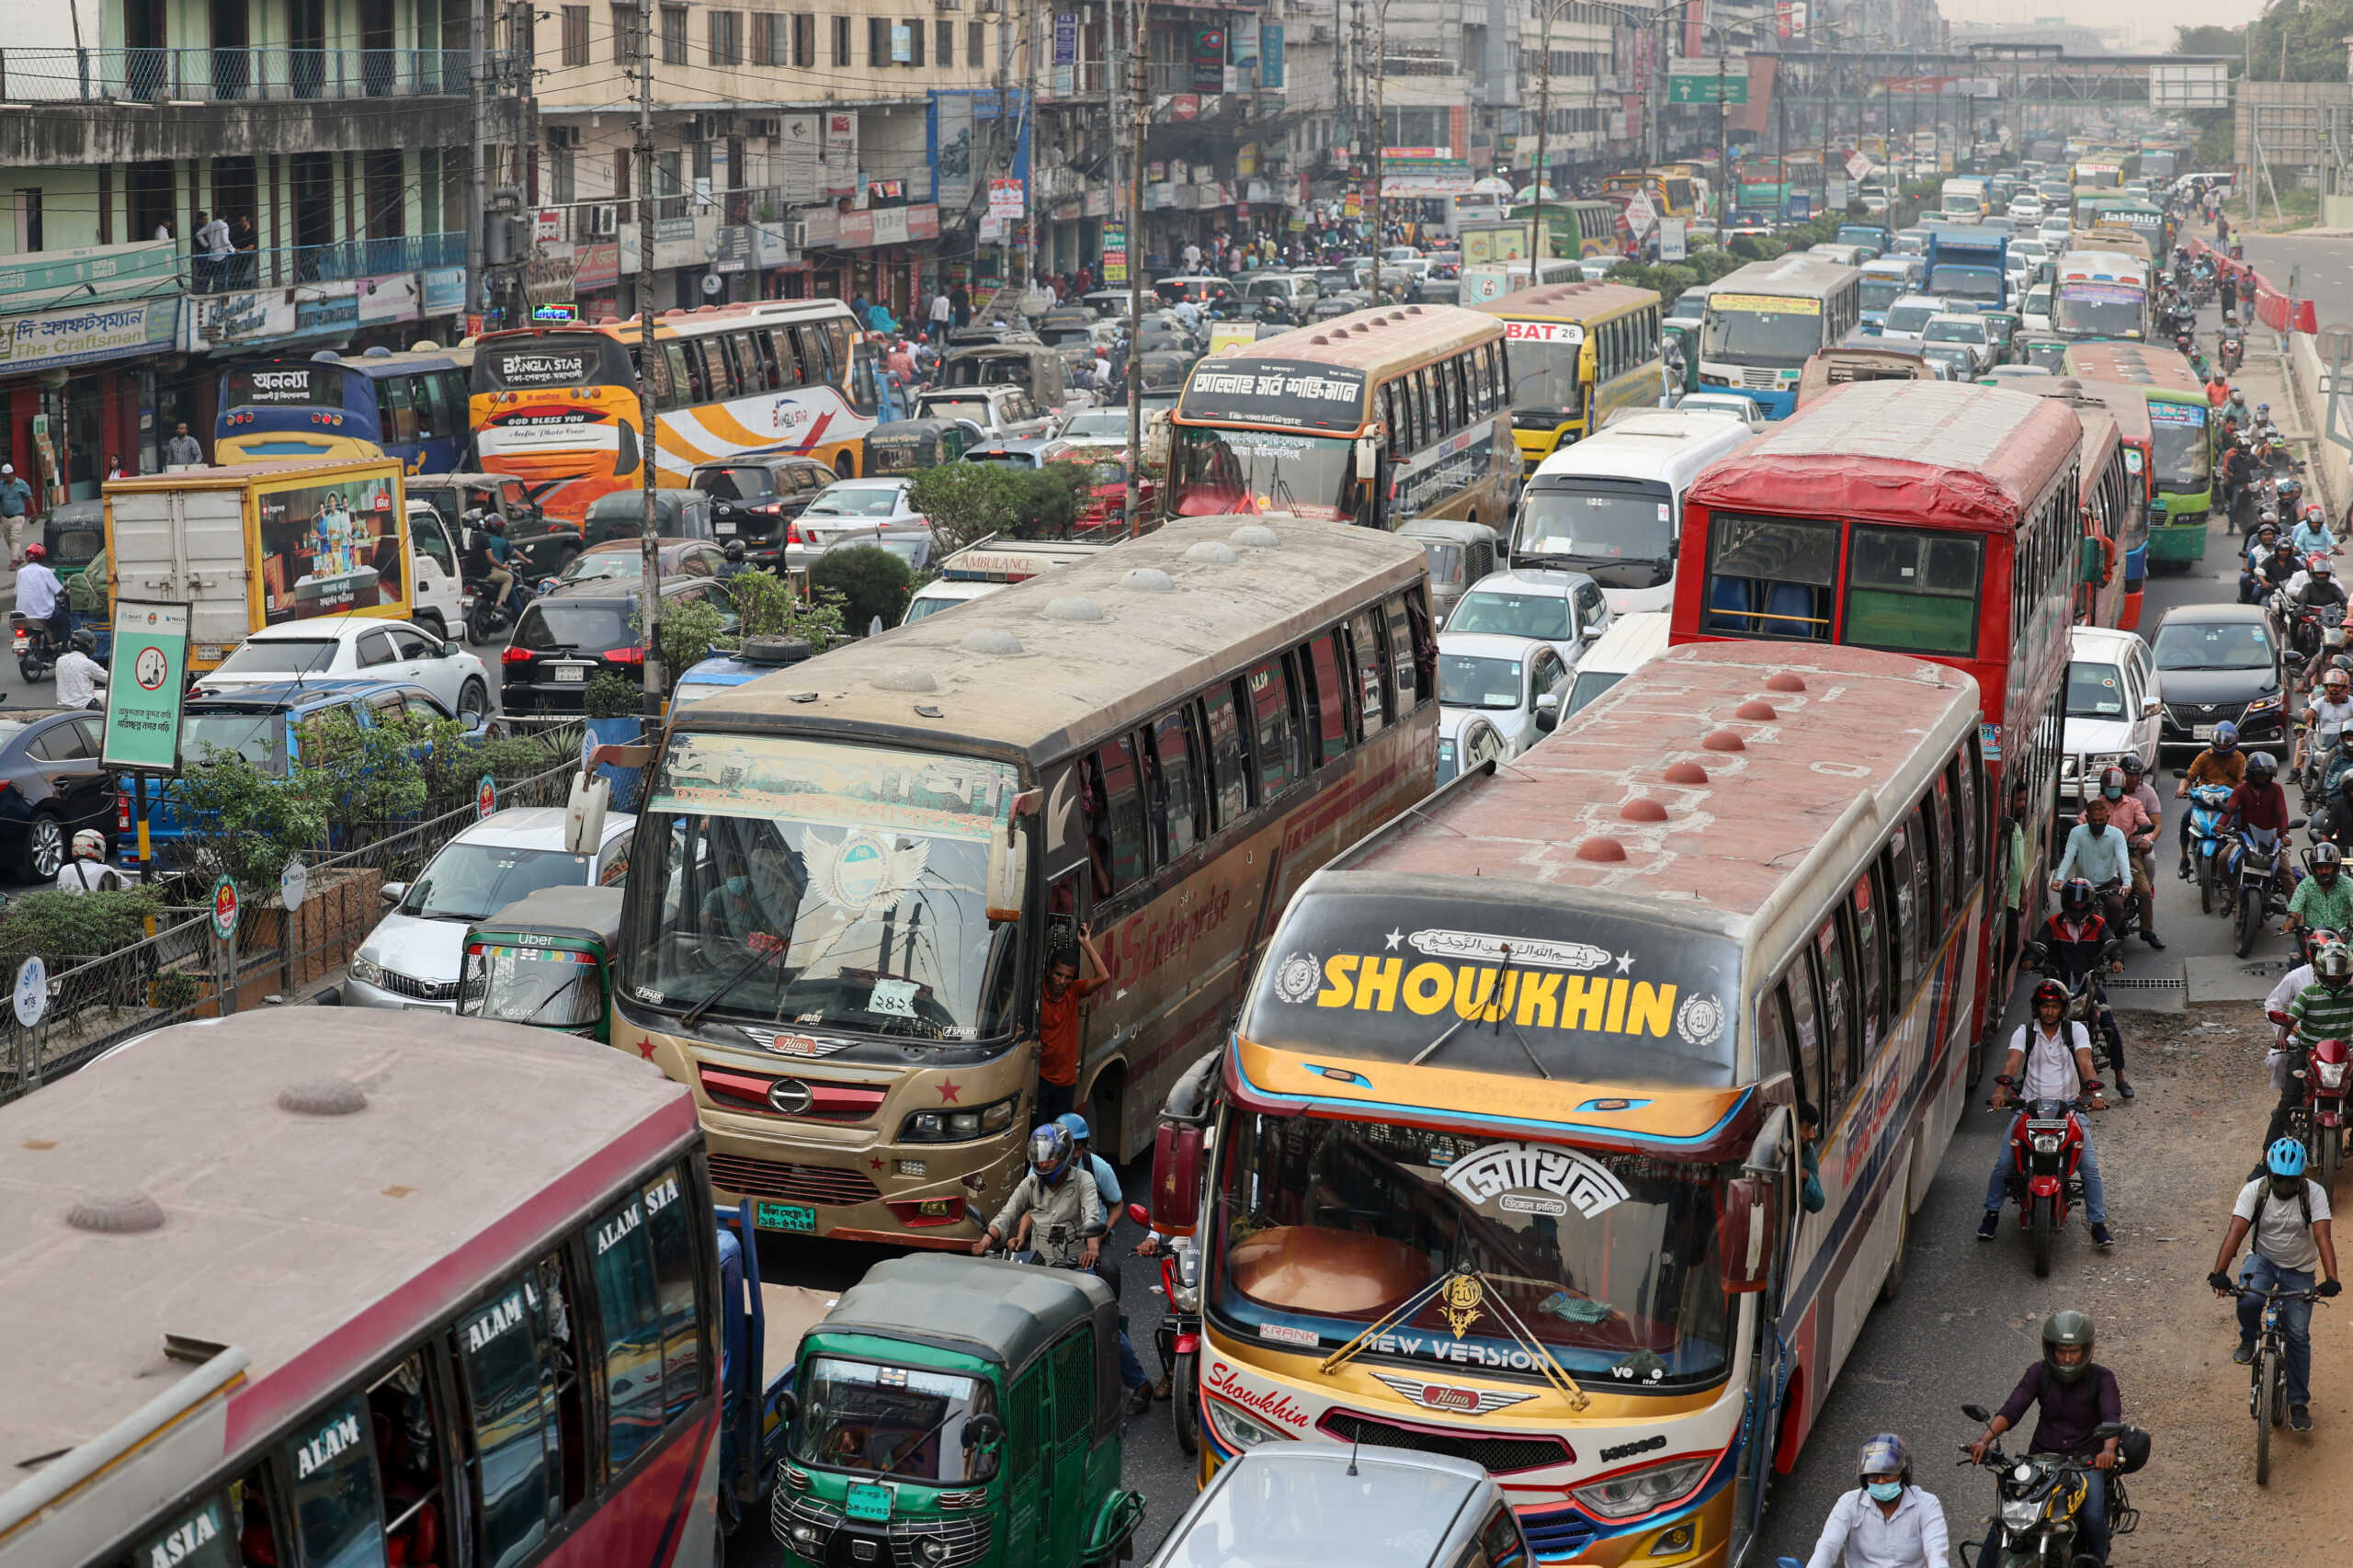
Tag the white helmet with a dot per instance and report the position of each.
(89, 845)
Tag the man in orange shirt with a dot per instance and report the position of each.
(1057, 1022)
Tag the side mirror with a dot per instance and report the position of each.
(1977, 1413)
(1367, 456)
(1008, 873)
(392, 892)
(2294, 823)
(469, 719)
(1744, 1234)
(1140, 1214)
(583, 815)
(1177, 1179)
(984, 1432)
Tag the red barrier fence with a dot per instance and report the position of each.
(2278, 311)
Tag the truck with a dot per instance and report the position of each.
(262, 545)
(1962, 200)
(1970, 266)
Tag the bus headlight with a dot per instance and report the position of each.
(1236, 1430)
(1640, 1491)
(958, 1126)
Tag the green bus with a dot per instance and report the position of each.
(2181, 439)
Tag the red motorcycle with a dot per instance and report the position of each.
(1178, 1337)
(2046, 1148)
(2327, 1077)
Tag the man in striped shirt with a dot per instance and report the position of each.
(2323, 1011)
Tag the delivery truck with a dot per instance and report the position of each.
(263, 544)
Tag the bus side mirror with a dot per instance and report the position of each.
(1744, 1234)
(583, 815)
(1367, 456)
(1008, 886)
(1177, 1179)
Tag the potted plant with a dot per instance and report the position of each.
(613, 718)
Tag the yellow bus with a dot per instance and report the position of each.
(1670, 187)
(1375, 417)
(1579, 353)
(848, 878)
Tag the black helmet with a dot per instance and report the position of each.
(2260, 767)
(2327, 857)
(85, 640)
(2133, 766)
(2066, 1326)
(734, 550)
(2076, 898)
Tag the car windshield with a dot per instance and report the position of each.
(1097, 421)
(259, 738)
(1468, 680)
(1223, 472)
(2094, 690)
(1909, 318)
(599, 564)
(1512, 613)
(467, 881)
(280, 656)
(548, 988)
(976, 409)
(1761, 329)
(2213, 645)
(1608, 1261)
(856, 501)
(1622, 531)
(858, 1416)
(737, 482)
(1955, 331)
(843, 886)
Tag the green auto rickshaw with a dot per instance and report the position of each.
(545, 960)
(956, 1411)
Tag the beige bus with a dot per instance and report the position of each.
(847, 875)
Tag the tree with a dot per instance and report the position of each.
(2312, 33)
(2212, 39)
(868, 581)
(965, 501)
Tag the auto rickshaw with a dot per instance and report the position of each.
(545, 960)
(960, 1410)
(907, 444)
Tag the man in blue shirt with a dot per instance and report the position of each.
(1107, 1188)
(2097, 850)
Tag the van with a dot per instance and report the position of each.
(1632, 641)
(1611, 506)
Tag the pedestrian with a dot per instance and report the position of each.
(246, 267)
(2014, 844)
(213, 243)
(114, 465)
(182, 450)
(1192, 254)
(959, 299)
(2222, 227)
(943, 315)
(15, 499)
(1057, 1003)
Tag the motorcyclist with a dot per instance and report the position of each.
(500, 553)
(2259, 802)
(2279, 568)
(2287, 1213)
(2331, 713)
(1107, 1188)
(1885, 1522)
(81, 679)
(2315, 591)
(1060, 1216)
(2235, 410)
(2323, 1010)
(2324, 898)
(2074, 938)
(2252, 586)
(2312, 536)
(2076, 1396)
(2131, 815)
(735, 565)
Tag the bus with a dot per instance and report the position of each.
(1524, 1068)
(348, 1315)
(1768, 184)
(2102, 295)
(560, 404)
(849, 877)
(2105, 504)
(377, 403)
(2097, 174)
(1763, 321)
(1671, 190)
(2129, 410)
(1931, 519)
(1374, 418)
(2146, 219)
(1579, 353)
(1577, 229)
(2181, 431)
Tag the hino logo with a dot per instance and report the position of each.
(1628, 1450)
(795, 1044)
(1451, 1397)
(790, 1096)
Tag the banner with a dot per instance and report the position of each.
(82, 336)
(1005, 198)
(1065, 38)
(951, 150)
(1115, 253)
(594, 266)
(1208, 60)
(1270, 56)
(390, 299)
(442, 291)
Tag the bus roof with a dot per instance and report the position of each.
(370, 362)
(1370, 339)
(1962, 456)
(1104, 644)
(2128, 405)
(307, 1189)
(688, 324)
(1570, 301)
(1798, 275)
(2132, 364)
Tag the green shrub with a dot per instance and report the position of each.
(248, 823)
(64, 926)
(869, 581)
(965, 501)
(611, 696)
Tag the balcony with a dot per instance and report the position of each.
(338, 262)
(188, 76)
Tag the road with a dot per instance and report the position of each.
(2321, 268)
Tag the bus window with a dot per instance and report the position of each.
(1831, 957)
(1924, 928)
(450, 416)
(1373, 706)
(1948, 854)
(207, 1522)
(685, 380)
(337, 1507)
(1177, 803)
(1274, 718)
(1797, 989)
(1404, 669)
(1393, 414)
(676, 1267)
(503, 1354)
(629, 1311)
(1871, 962)
(726, 372)
(1118, 815)
(1769, 578)
(1900, 873)
(1328, 704)
(1962, 770)
(1773, 1043)
(1229, 757)
(396, 411)
(1912, 592)
(764, 348)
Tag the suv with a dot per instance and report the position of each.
(1000, 414)
(1961, 329)
(567, 637)
(755, 497)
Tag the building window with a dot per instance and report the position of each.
(625, 42)
(841, 40)
(674, 35)
(975, 45)
(943, 44)
(804, 39)
(621, 176)
(668, 184)
(727, 38)
(28, 219)
(560, 176)
(915, 41)
(767, 43)
(878, 40)
(576, 35)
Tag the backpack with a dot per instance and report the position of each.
(2263, 1195)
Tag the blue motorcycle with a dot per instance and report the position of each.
(2206, 803)
(2253, 871)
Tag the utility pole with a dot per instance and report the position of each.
(649, 423)
(1380, 136)
(1723, 155)
(1139, 63)
(476, 293)
(1543, 125)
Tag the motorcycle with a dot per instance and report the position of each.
(2320, 1121)
(2254, 876)
(36, 652)
(2038, 1497)
(1178, 1337)
(2045, 1181)
(2230, 351)
(2206, 803)
(486, 617)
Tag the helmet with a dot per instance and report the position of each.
(2331, 677)
(85, 640)
(495, 521)
(2049, 990)
(1075, 1125)
(2316, 938)
(2318, 565)
(89, 845)
(2076, 898)
(2285, 1158)
(2332, 962)
(2067, 1327)
(1051, 1151)
(36, 552)
(2259, 767)
(2133, 765)
(2327, 857)
(2111, 784)
(1885, 1455)
(2266, 526)
(2263, 410)
(735, 550)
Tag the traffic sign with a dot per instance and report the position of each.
(224, 908)
(1641, 214)
(293, 884)
(486, 796)
(32, 991)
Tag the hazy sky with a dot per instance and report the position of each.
(2149, 24)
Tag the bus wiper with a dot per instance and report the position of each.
(1502, 1017)
(693, 1015)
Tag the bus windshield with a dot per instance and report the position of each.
(1881, 293)
(2177, 445)
(1609, 1260)
(551, 359)
(1220, 472)
(1758, 329)
(1622, 531)
(2099, 309)
(822, 884)
(1544, 375)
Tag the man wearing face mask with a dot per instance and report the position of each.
(2288, 1214)
(1886, 1522)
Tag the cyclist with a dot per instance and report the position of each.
(2287, 1213)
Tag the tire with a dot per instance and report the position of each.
(479, 621)
(1185, 1402)
(473, 697)
(2250, 918)
(2205, 882)
(44, 846)
(2263, 1378)
(2046, 1228)
(431, 621)
(2332, 1151)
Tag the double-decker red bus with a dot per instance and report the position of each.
(1925, 517)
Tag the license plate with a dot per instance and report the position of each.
(2201, 732)
(867, 1502)
(566, 675)
(785, 1217)
(421, 1007)
(725, 528)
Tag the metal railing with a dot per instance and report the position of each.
(228, 76)
(340, 260)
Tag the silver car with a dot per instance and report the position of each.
(1283, 1503)
(1567, 609)
(860, 511)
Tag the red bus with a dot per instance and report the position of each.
(1932, 518)
(333, 1304)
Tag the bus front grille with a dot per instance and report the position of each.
(800, 1184)
(1498, 1454)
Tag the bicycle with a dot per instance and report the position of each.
(2267, 1385)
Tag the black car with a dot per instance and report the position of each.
(754, 498)
(2219, 662)
(51, 787)
(569, 637)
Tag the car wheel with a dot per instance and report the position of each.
(474, 697)
(44, 845)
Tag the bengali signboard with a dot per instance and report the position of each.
(84, 336)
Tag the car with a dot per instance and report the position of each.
(1105, 428)
(1513, 683)
(620, 515)
(1326, 1501)
(1908, 318)
(2026, 208)
(1950, 362)
(1964, 329)
(2055, 230)
(355, 647)
(755, 496)
(1747, 410)
(2002, 375)
(1910, 241)
(411, 960)
(2115, 702)
(1466, 739)
(861, 511)
(624, 561)
(565, 639)
(51, 786)
(1297, 289)
(1001, 413)
(1594, 268)
(2218, 662)
(1036, 451)
(2034, 312)
(1564, 608)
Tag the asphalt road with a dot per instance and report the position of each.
(2322, 268)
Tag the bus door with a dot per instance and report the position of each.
(1773, 1160)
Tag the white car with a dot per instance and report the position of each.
(1747, 410)
(2055, 230)
(1907, 318)
(1105, 428)
(1465, 739)
(355, 647)
(2115, 706)
(1511, 684)
(1567, 610)
(1963, 329)
(2034, 315)
(859, 511)
(411, 959)
(2028, 207)
(1002, 413)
